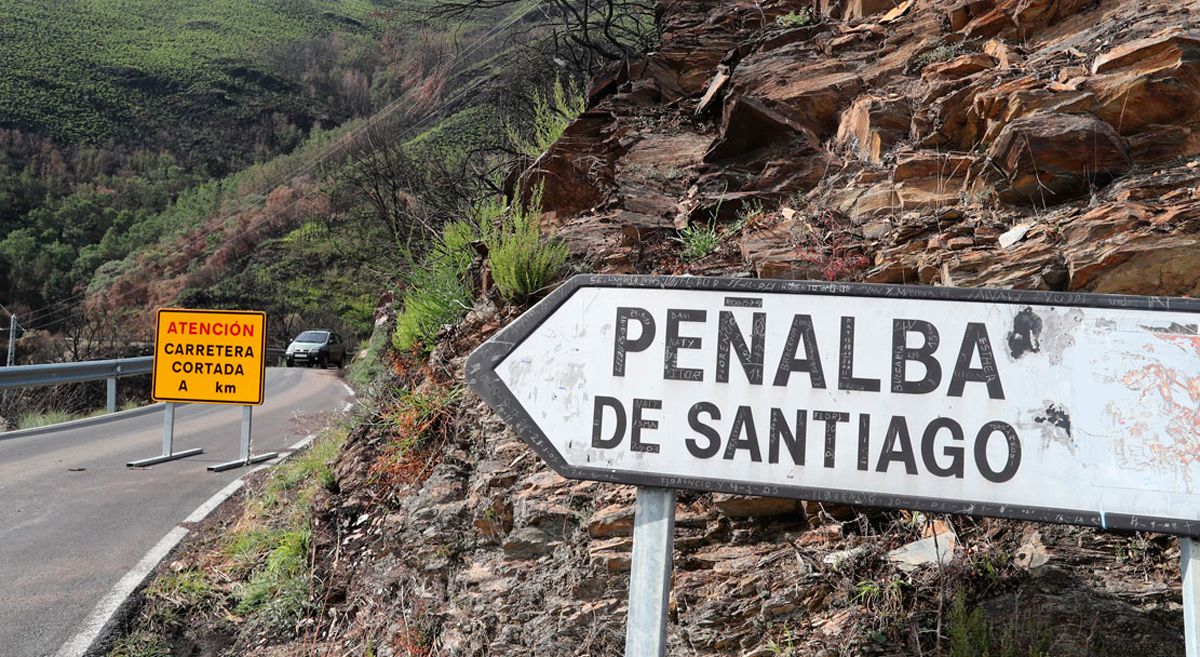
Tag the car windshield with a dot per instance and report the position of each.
(312, 336)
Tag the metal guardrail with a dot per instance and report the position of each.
(48, 374)
(26, 376)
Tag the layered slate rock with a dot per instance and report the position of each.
(873, 125)
(1051, 158)
(899, 141)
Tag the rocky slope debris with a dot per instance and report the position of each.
(905, 142)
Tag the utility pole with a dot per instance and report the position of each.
(12, 339)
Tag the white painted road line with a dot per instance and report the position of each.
(215, 501)
(304, 442)
(108, 605)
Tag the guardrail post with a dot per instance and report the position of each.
(111, 406)
(168, 453)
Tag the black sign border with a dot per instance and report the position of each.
(262, 359)
(482, 378)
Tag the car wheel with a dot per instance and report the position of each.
(323, 361)
(291, 363)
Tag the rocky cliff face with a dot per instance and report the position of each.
(1045, 144)
(1042, 144)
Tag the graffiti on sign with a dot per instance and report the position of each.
(1069, 408)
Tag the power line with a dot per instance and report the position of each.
(61, 306)
(46, 312)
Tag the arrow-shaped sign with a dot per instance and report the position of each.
(1057, 407)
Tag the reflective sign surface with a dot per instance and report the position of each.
(208, 356)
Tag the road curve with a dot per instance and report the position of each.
(74, 519)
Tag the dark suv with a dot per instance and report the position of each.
(316, 348)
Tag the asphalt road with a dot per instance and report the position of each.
(74, 519)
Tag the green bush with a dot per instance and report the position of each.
(552, 113)
(698, 241)
(945, 51)
(967, 629)
(973, 634)
(523, 264)
(35, 420)
(141, 643)
(314, 464)
(271, 546)
(279, 588)
(188, 588)
(366, 369)
(436, 293)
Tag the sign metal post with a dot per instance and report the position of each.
(1057, 407)
(244, 457)
(168, 440)
(1189, 562)
(650, 577)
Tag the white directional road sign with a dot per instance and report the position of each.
(1057, 407)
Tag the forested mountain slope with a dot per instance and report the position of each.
(407, 111)
(206, 81)
(144, 144)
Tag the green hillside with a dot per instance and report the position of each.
(293, 155)
(127, 125)
(190, 76)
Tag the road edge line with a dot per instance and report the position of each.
(96, 622)
(215, 501)
(303, 442)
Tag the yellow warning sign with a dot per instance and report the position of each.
(209, 356)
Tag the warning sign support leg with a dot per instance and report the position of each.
(1189, 562)
(168, 453)
(650, 579)
(244, 457)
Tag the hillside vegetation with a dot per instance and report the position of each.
(1034, 144)
(118, 114)
(190, 77)
(323, 221)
